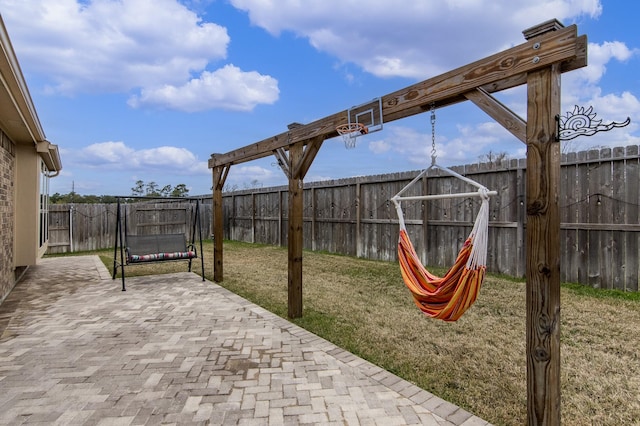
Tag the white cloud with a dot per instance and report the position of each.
(118, 156)
(584, 81)
(472, 142)
(379, 147)
(412, 39)
(407, 141)
(152, 46)
(582, 87)
(600, 55)
(421, 39)
(252, 176)
(227, 88)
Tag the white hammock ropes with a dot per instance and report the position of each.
(446, 297)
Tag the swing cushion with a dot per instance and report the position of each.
(150, 248)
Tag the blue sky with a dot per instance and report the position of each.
(148, 89)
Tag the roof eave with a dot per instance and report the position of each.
(19, 118)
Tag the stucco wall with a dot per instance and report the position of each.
(7, 219)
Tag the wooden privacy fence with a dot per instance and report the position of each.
(83, 227)
(600, 230)
(599, 207)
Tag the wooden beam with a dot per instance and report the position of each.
(219, 177)
(543, 248)
(550, 48)
(497, 72)
(499, 112)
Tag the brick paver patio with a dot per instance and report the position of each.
(173, 349)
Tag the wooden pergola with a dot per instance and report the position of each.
(550, 50)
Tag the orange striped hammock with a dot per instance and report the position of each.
(447, 297)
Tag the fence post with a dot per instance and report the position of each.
(313, 219)
(520, 220)
(253, 217)
(359, 242)
(425, 220)
(71, 228)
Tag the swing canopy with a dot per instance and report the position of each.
(449, 296)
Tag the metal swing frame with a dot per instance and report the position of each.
(121, 235)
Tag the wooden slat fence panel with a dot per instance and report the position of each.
(80, 227)
(569, 214)
(59, 229)
(86, 227)
(599, 207)
(332, 212)
(631, 267)
(619, 215)
(267, 214)
(378, 220)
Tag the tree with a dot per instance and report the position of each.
(152, 189)
(55, 198)
(72, 197)
(495, 158)
(230, 188)
(138, 190)
(180, 190)
(165, 191)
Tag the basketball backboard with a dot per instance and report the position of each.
(368, 114)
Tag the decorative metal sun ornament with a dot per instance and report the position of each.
(582, 122)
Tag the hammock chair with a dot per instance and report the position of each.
(447, 297)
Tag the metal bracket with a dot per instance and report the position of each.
(583, 122)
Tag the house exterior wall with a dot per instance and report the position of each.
(26, 246)
(7, 214)
(27, 162)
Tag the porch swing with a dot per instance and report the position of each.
(139, 249)
(449, 296)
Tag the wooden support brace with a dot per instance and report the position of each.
(283, 161)
(311, 150)
(499, 112)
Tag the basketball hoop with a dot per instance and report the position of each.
(350, 133)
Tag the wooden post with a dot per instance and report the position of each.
(301, 156)
(543, 247)
(219, 176)
(295, 242)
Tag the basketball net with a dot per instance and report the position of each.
(350, 133)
